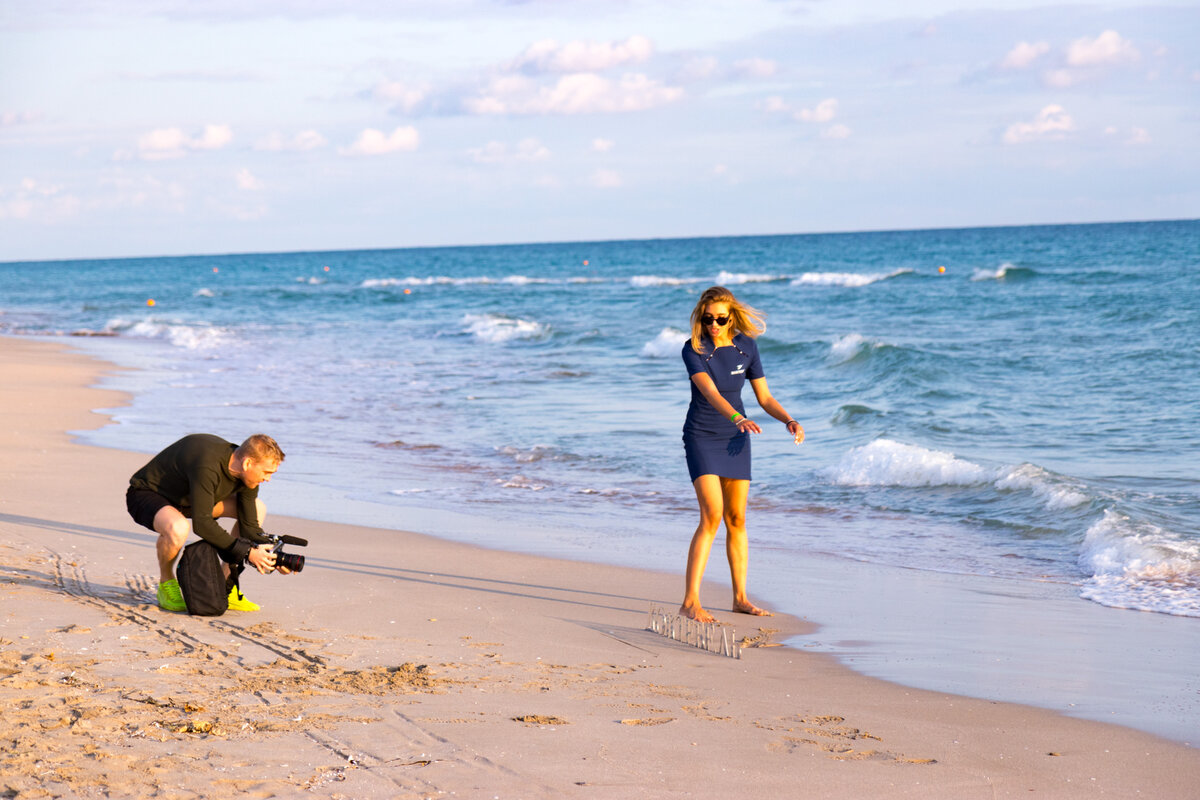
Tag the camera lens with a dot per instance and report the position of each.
(290, 561)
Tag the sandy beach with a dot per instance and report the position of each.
(399, 665)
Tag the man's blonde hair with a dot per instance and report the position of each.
(261, 448)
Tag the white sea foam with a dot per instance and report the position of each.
(998, 274)
(887, 463)
(1141, 566)
(203, 293)
(528, 455)
(849, 279)
(476, 280)
(665, 345)
(496, 329)
(643, 281)
(524, 280)
(313, 281)
(520, 482)
(847, 347)
(1054, 491)
(734, 278)
(179, 334)
(433, 280)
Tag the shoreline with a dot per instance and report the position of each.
(1015, 639)
(399, 664)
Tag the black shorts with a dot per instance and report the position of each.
(144, 504)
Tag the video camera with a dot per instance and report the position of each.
(289, 561)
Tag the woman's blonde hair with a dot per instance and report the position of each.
(746, 319)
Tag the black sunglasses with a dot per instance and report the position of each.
(709, 319)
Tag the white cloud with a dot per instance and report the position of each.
(10, 119)
(606, 179)
(1052, 122)
(755, 68)
(699, 68)
(1138, 136)
(304, 140)
(824, 111)
(123, 191)
(602, 145)
(163, 143)
(33, 200)
(582, 56)
(1060, 78)
(527, 150)
(372, 142)
(579, 93)
(774, 105)
(405, 96)
(246, 180)
(214, 137)
(1106, 49)
(1024, 54)
(245, 213)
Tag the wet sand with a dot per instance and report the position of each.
(399, 665)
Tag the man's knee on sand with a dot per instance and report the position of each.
(173, 526)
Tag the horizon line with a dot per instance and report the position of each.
(549, 242)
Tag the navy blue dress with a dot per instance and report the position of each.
(711, 442)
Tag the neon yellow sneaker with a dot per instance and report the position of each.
(238, 601)
(170, 596)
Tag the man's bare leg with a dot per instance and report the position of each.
(173, 529)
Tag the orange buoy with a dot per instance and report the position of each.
(150, 302)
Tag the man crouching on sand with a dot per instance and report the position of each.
(202, 477)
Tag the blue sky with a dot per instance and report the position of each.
(155, 127)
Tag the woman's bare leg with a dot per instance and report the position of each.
(710, 498)
(737, 544)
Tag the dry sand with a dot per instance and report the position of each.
(398, 665)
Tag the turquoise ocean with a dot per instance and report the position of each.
(1030, 415)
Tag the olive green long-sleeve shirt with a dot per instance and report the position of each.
(193, 473)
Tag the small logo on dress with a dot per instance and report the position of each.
(740, 369)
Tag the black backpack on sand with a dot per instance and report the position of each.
(205, 587)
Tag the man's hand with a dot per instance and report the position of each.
(261, 558)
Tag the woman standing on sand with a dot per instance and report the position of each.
(720, 356)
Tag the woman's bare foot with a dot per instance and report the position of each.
(749, 608)
(697, 613)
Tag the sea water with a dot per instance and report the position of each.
(1018, 404)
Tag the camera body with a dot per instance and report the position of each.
(289, 561)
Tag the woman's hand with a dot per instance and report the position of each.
(261, 558)
(747, 425)
(796, 430)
